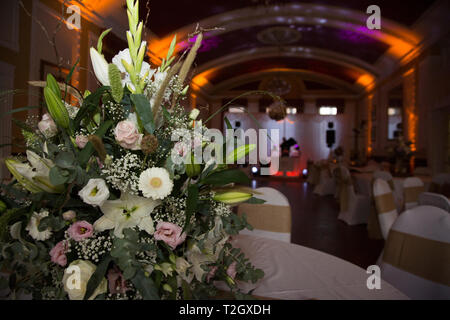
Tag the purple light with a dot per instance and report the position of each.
(208, 43)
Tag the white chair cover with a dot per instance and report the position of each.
(272, 219)
(435, 200)
(385, 205)
(412, 188)
(422, 171)
(385, 175)
(416, 258)
(327, 185)
(354, 209)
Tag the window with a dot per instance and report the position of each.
(291, 110)
(328, 111)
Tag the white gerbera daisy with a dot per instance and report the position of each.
(33, 225)
(155, 183)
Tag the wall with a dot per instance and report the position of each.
(309, 130)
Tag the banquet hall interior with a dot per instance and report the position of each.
(358, 159)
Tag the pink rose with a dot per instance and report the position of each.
(47, 126)
(116, 281)
(211, 273)
(81, 141)
(127, 135)
(169, 233)
(58, 253)
(80, 230)
(231, 271)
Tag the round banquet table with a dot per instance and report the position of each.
(294, 272)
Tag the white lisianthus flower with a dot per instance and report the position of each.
(76, 278)
(126, 80)
(33, 226)
(95, 192)
(155, 183)
(100, 67)
(127, 212)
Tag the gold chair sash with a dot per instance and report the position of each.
(267, 217)
(426, 258)
(412, 193)
(383, 204)
(342, 185)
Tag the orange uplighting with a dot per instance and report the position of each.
(410, 106)
(369, 125)
(367, 81)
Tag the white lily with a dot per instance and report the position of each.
(127, 212)
(100, 67)
(126, 78)
(34, 178)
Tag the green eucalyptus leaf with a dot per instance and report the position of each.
(144, 111)
(145, 286)
(57, 176)
(97, 277)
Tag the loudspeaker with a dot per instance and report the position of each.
(331, 135)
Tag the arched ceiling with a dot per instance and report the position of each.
(330, 38)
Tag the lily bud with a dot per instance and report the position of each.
(232, 197)
(240, 152)
(56, 108)
(194, 114)
(100, 67)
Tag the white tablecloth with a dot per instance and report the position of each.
(295, 272)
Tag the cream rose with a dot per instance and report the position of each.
(127, 135)
(95, 192)
(47, 126)
(76, 277)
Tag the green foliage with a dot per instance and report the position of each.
(225, 177)
(97, 277)
(144, 111)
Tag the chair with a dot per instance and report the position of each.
(326, 185)
(435, 200)
(271, 219)
(354, 209)
(412, 188)
(385, 205)
(416, 258)
(313, 173)
(422, 171)
(441, 184)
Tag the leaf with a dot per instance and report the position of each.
(144, 111)
(100, 40)
(21, 109)
(227, 176)
(65, 160)
(191, 203)
(115, 82)
(145, 286)
(57, 176)
(69, 76)
(97, 277)
(86, 153)
(90, 105)
(228, 123)
(254, 200)
(240, 152)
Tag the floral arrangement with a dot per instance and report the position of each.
(106, 206)
(400, 154)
